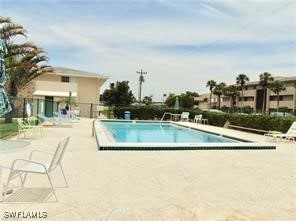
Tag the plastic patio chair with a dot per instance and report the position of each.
(185, 116)
(24, 128)
(197, 118)
(22, 167)
(56, 120)
(37, 128)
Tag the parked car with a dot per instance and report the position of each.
(215, 111)
(281, 114)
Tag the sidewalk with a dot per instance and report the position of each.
(162, 185)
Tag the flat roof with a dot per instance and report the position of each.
(77, 73)
(280, 78)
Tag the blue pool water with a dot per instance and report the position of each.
(128, 132)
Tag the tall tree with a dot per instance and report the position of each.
(118, 94)
(231, 92)
(241, 80)
(148, 100)
(265, 80)
(218, 90)
(186, 99)
(211, 84)
(277, 87)
(23, 62)
(170, 100)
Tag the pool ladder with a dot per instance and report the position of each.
(165, 113)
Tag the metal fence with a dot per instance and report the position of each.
(25, 107)
(22, 106)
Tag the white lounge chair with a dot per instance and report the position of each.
(185, 116)
(289, 135)
(55, 120)
(22, 167)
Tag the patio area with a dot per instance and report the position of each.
(159, 185)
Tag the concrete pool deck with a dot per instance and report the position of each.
(161, 185)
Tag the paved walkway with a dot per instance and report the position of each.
(162, 185)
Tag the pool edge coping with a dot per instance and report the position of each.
(109, 143)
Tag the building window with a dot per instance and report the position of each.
(274, 98)
(254, 87)
(65, 79)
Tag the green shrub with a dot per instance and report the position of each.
(247, 109)
(216, 119)
(146, 112)
(263, 122)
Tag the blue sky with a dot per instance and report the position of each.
(181, 44)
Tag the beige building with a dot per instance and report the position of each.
(51, 89)
(253, 97)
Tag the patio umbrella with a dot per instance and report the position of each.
(177, 105)
(4, 103)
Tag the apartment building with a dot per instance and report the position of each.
(51, 88)
(254, 96)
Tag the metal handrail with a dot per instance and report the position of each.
(165, 113)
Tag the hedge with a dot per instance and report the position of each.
(263, 122)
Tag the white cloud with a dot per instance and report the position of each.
(119, 48)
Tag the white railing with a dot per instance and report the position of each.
(172, 116)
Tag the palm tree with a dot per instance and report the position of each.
(277, 87)
(265, 80)
(218, 90)
(211, 84)
(23, 62)
(231, 92)
(241, 80)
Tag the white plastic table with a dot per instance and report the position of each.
(9, 146)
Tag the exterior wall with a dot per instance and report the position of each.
(86, 88)
(87, 94)
(204, 101)
(49, 77)
(250, 96)
(28, 90)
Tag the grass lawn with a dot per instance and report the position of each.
(8, 129)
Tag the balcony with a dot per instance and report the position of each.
(247, 103)
(288, 91)
(54, 88)
(249, 93)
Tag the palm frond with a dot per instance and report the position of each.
(11, 30)
(4, 20)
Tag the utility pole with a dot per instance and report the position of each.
(141, 80)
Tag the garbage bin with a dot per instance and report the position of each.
(127, 115)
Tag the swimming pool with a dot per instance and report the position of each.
(153, 135)
(131, 132)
